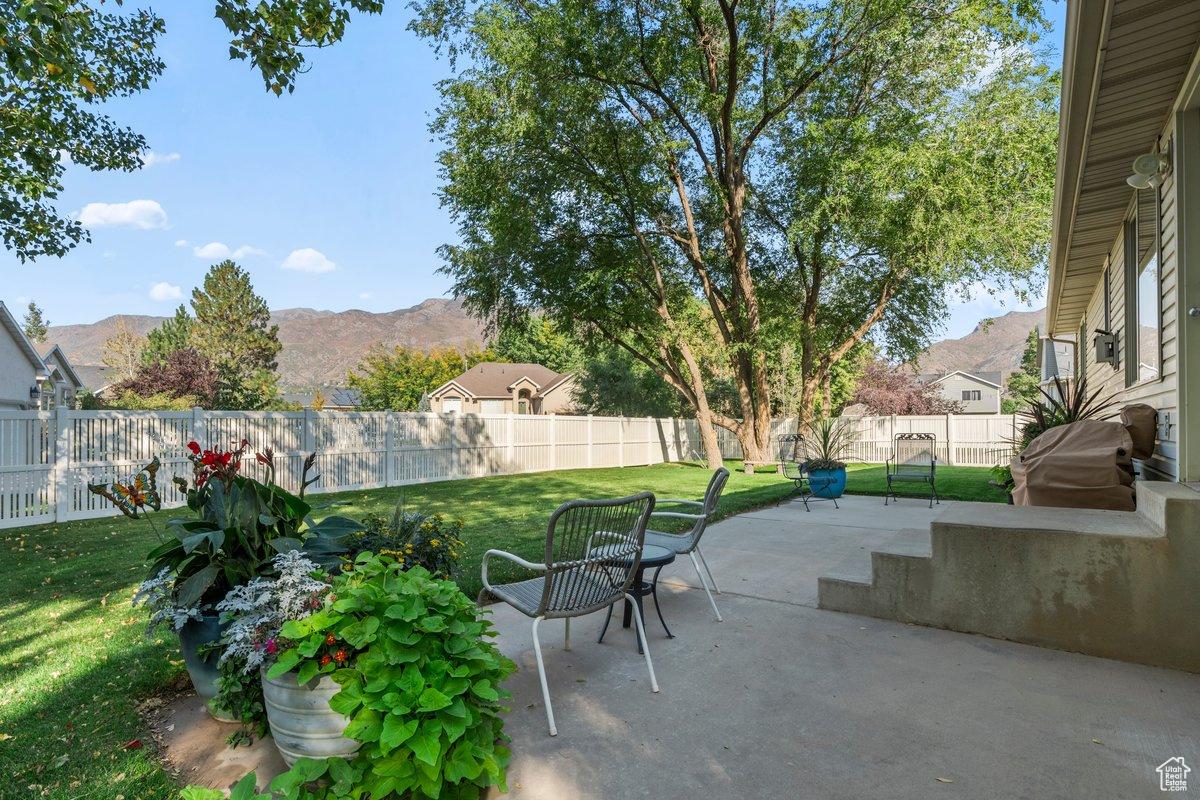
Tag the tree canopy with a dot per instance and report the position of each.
(1022, 387)
(34, 324)
(703, 183)
(232, 328)
(171, 336)
(398, 378)
(59, 60)
(885, 390)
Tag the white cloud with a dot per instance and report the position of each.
(153, 159)
(165, 291)
(212, 250)
(181, 242)
(307, 259)
(141, 214)
(221, 250)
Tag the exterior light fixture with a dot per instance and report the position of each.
(35, 392)
(1148, 171)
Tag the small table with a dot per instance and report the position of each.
(652, 556)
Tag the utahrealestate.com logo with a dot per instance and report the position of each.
(1173, 774)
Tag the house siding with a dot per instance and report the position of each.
(1161, 393)
(953, 386)
(17, 375)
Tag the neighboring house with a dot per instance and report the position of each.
(1122, 260)
(976, 393)
(1056, 359)
(491, 388)
(22, 370)
(336, 398)
(97, 379)
(61, 387)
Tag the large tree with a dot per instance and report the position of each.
(183, 377)
(173, 335)
(1022, 388)
(59, 60)
(123, 350)
(35, 325)
(232, 328)
(702, 183)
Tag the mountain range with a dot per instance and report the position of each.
(320, 347)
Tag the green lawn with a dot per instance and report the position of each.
(953, 483)
(74, 661)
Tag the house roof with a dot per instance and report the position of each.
(492, 380)
(9, 322)
(96, 377)
(56, 357)
(988, 378)
(1124, 63)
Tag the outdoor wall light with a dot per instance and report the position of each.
(1148, 171)
(35, 392)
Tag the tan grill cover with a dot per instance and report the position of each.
(1086, 464)
(1141, 421)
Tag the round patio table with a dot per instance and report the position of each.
(652, 556)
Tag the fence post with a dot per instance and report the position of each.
(62, 465)
(452, 421)
(510, 425)
(950, 444)
(197, 412)
(589, 441)
(553, 441)
(389, 450)
(620, 441)
(307, 436)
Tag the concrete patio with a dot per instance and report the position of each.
(784, 700)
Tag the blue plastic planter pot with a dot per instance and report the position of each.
(827, 482)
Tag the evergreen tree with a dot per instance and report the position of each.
(173, 335)
(535, 339)
(35, 324)
(1022, 385)
(232, 327)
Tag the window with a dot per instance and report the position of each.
(491, 406)
(1143, 293)
(451, 405)
(971, 394)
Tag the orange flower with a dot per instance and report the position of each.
(340, 656)
(325, 659)
(330, 639)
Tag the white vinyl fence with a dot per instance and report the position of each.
(47, 459)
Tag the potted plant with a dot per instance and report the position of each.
(419, 681)
(241, 524)
(827, 439)
(411, 538)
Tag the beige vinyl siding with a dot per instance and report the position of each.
(1162, 392)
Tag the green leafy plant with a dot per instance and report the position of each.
(1070, 402)
(240, 695)
(421, 687)
(412, 539)
(826, 442)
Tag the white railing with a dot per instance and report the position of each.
(47, 459)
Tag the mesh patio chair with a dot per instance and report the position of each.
(914, 460)
(688, 543)
(586, 541)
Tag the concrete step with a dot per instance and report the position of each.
(1160, 502)
(965, 519)
(855, 589)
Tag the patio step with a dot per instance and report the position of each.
(876, 590)
(1109, 583)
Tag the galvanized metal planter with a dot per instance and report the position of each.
(203, 671)
(302, 723)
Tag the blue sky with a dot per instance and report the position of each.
(326, 196)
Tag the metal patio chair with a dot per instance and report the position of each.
(794, 458)
(586, 541)
(913, 460)
(688, 542)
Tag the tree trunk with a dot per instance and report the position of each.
(708, 437)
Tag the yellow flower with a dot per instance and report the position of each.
(434, 542)
(454, 554)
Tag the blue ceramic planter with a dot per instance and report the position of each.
(202, 671)
(829, 483)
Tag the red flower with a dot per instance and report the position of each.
(325, 659)
(340, 656)
(195, 448)
(330, 639)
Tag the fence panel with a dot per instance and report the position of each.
(48, 459)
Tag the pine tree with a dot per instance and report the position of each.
(1022, 385)
(232, 327)
(173, 335)
(34, 324)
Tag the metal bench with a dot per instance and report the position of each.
(913, 460)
